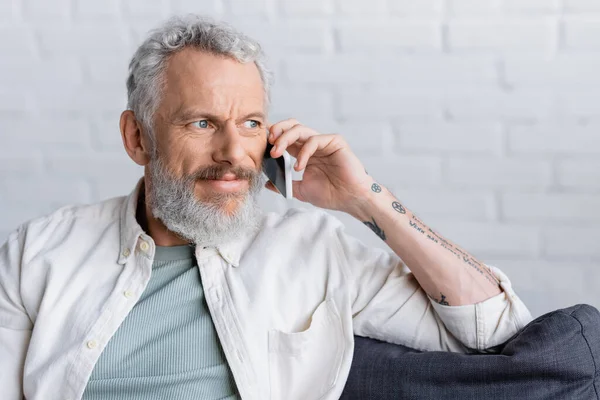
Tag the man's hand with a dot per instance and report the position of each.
(334, 178)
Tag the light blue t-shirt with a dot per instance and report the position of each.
(167, 347)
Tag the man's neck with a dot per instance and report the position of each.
(154, 227)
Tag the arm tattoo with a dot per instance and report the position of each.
(442, 300)
(375, 228)
(376, 188)
(398, 207)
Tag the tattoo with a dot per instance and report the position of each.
(375, 228)
(376, 188)
(398, 207)
(455, 250)
(442, 301)
(417, 227)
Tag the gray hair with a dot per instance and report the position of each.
(146, 69)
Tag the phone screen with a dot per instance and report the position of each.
(275, 169)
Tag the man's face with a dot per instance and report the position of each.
(210, 126)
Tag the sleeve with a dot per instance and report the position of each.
(15, 324)
(389, 304)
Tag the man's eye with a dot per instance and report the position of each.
(252, 124)
(203, 124)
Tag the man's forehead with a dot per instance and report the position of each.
(191, 67)
(195, 77)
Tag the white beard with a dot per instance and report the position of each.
(203, 223)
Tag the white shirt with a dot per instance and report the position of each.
(285, 302)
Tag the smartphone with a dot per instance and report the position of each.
(279, 171)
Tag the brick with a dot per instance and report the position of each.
(408, 35)
(18, 42)
(107, 70)
(212, 7)
(361, 8)
(141, 8)
(366, 138)
(7, 13)
(107, 188)
(497, 172)
(258, 8)
(562, 71)
(328, 69)
(90, 100)
(45, 195)
(443, 204)
(531, 6)
(518, 35)
(554, 138)
(484, 104)
(409, 71)
(582, 34)
(472, 7)
(578, 103)
(414, 170)
(584, 174)
(96, 10)
(282, 39)
(15, 102)
(581, 5)
(45, 132)
(105, 132)
(51, 74)
(452, 138)
(93, 166)
(23, 166)
(105, 39)
(555, 207)
(42, 11)
(425, 8)
(485, 239)
(571, 242)
(301, 103)
(378, 104)
(294, 8)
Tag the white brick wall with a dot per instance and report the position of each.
(481, 115)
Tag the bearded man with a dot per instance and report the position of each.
(185, 290)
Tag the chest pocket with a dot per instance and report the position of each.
(305, 365)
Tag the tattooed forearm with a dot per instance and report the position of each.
(398, 207)
(416, 227)
(375, 228)
(455, 250)
(441, 301)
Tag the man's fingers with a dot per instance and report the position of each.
(277, 129)
(296, 134)
(307, 151)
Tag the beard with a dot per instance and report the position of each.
(217, 219)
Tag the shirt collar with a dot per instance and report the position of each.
(131, 230)
(128, 225)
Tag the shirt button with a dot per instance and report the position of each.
(128, 294)
(92, 344)
(144, 246)
(126, 253)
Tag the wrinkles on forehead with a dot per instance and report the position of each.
(197, 82)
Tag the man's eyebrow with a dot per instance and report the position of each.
(256, 114)
(188, 115)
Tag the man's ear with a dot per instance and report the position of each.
(133, 139)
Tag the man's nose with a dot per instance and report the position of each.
(229, 148)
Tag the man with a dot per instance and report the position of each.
(183, 290)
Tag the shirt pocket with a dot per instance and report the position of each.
(305, 365)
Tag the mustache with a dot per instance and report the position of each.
(218, 171)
